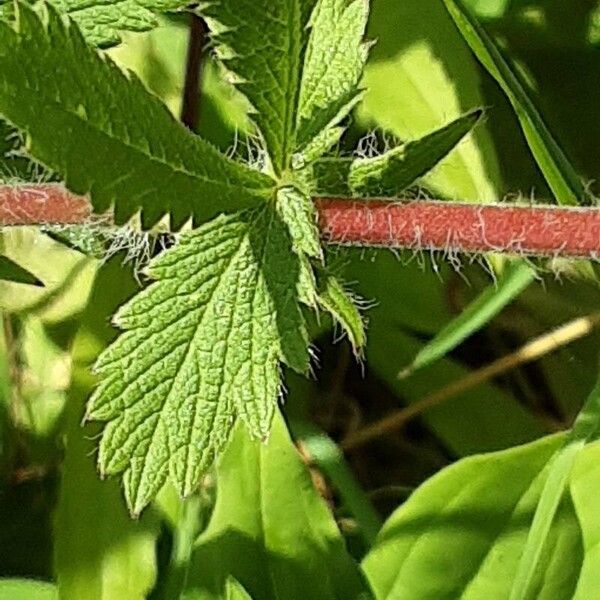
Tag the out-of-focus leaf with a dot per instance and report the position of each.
(100, 553)
(461, 533)
(586, 426)
(485, 307)
(270, 529)
(11, 271)
(27, 589)
(559, 173)
(468, 423)
(420, 74)
(330, 459)
(157, 58)
(66, 275)
(489, 9)
(584, 483)
(235, 591)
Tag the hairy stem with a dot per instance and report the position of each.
(419, 225)
(461, 227)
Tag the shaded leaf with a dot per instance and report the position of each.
(584, 482)
(329, 458)
(100, 553)
(131, 152)
(585, 427)
(460, 535)
(396, 330)
(11, 271)
(559, 173)
(281, 542)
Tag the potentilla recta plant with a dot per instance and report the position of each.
(202, 348)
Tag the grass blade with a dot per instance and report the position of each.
(517, 276)
(558, 171)
(585, 427)
(330, 459)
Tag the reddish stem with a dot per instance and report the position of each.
(38, 204)
(461, 227)
(422, 224)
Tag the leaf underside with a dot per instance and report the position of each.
(201, 348)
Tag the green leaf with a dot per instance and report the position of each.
(390, 174)
(559, 173)
(262, 44)
(271, 530)
(202, 347)
(100, 553)
(330, 460)
(333, 66)
(235, 591)
(420, 75)
(101, 21)
(342, 307)
(11, 271)
(105, 135)
(586, 426)
(298, 212)
(27, 589)
(514, 280)
(461, 533)
(423, 311)
(584, 490)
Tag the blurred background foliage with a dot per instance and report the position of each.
(420, 75)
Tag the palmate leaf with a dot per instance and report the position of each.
(101, 21)
(202, 347)
(262, 43)
(105, 135)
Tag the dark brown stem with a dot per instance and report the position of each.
(190, 107)
(417, 225)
